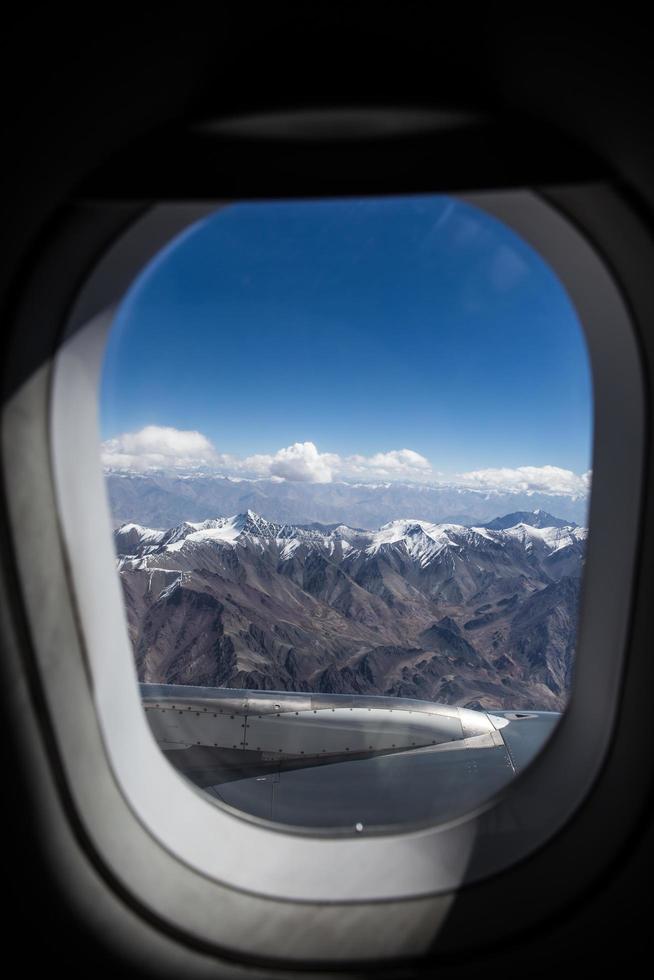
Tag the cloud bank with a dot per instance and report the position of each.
(529, 479)
(173, 450)
(165, 448)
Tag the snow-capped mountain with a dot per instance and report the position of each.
(421, 540)
(467, 615)
(535, 518)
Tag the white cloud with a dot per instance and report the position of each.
(303, 462)
(396, 464)
(300, 462)
(159, 447)
(529, 479)
(165, 448)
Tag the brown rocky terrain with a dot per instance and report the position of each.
(468, 616)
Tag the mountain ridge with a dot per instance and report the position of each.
(442, 612)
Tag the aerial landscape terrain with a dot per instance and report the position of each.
(479, 616)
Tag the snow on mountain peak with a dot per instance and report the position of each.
(553, 538)
(421, 541)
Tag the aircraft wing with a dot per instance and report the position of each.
(341, 761)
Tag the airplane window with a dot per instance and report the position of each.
(347, 448)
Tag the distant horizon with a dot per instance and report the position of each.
(524, 480)
(165, 500)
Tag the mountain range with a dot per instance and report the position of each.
(481, 616)
(162, 500)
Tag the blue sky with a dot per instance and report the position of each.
(361, 327)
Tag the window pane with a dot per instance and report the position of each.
(347, 446)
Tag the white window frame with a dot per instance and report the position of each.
(230, 867)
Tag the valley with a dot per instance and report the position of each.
(483, 617)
